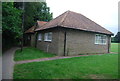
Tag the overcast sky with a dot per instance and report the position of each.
(103, 12)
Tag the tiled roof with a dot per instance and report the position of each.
(31, 30)
(74, 20)
(41, 23)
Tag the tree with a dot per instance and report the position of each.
(112, 39)
(117, 38)
(11, 24)
(34, 11)
(12, 19)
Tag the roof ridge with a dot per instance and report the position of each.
(51, 20)
(75, 20)
(62, 20)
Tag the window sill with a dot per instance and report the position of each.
(100, 44)
(39, 40)
(48, 40)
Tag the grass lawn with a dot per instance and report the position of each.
(114, 47)
(85, 67)
(30, 53)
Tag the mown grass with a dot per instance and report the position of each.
(34, 53)
(85, 67)
(114, 47)
(30, 53)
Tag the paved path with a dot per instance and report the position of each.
(8, 64)
(51, 58)
(0, 67)
(45, 59)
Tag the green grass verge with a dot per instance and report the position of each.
(30, 53)
(85, 67)
(114, 47)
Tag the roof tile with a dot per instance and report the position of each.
(31, 30)
(75, 20)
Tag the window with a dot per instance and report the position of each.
(29, 37)
(100, 39)
(39, 36)
(48, 36)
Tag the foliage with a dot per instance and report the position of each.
(11, 20)
(112, 39)
(34, 11)
(11, 24)
(0, 18)
(85, 67)
(116, 39)
(30, 53)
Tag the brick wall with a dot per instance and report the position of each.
(77, 42)
(80, 42)
(49, 46)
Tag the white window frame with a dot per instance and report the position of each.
(100, 39)
(48, 36)
(39, 36)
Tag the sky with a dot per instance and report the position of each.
(103, 12)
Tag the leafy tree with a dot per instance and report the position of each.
(34, 11)
(11, 24)
(18, 5)
(117, 38)
(112, 39)
(0, 18)
(12, 19)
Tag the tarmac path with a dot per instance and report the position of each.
(8, 63)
